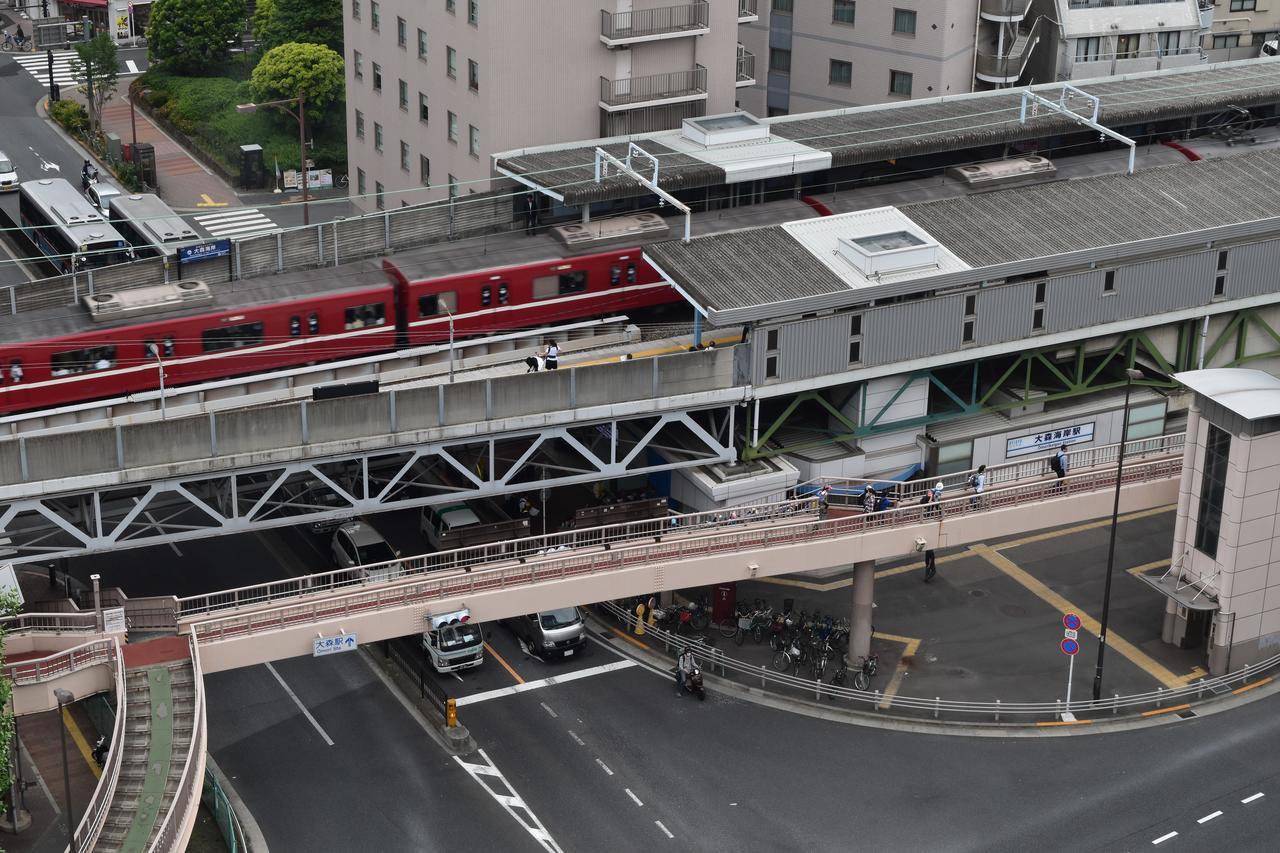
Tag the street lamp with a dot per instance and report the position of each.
(445, 305)
(301, 117)
(155, 352)
(66, 697)
(1130, 375)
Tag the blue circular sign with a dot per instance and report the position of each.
(1069, 647)
(1071, 621)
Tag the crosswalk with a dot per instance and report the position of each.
(236, 222)
(37, 65)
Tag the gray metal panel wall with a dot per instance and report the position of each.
(911, 329)
(814, 347)
(1004, 312)
(1073, 301)
(1252, 269)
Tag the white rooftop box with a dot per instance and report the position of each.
(724, 129)
(890, 251)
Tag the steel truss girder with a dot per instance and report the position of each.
(339, 487)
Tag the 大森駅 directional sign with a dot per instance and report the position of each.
(321, 646)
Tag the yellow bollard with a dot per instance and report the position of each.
(450, 713)
(640, 619)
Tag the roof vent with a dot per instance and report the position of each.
(709, 131)
(889, 252)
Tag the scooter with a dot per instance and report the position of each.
(100, 749)
(693, 684)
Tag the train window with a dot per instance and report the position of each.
(232, 337)
(615, 274)
(295, 326)
(435, 304)
(83, 360)
(360, 316)
(15, 370)
(313, 323)
(167, 344)
(150, 350)
(573, 282)
(486, 296)
(631, 273)
(503, 293)
(548, 286)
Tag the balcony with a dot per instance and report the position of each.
(1004, 11)
(636, 93)
(1006, 69)
(746, 68)
(618, 29)
(1206, 16)
(748, 11)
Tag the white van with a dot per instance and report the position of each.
(454, 642)
(8, 174)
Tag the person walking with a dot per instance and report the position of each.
(530, 214)
(1060, 464)
(930, 565)
(824, 500)
(868, 499)
(978, 482)
(551, 358)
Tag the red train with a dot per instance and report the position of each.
(265, 332)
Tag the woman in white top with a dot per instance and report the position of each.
(552, 356)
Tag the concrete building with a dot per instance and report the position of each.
(1240, 28)
(1091, 38)
(433, 89)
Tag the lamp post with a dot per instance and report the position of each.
(450, 313)
(301, 117)
(66, 697)
(155, 352)
(1130, 375)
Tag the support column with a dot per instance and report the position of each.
(1170, 621)
(864, 575)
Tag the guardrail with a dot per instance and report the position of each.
(51, 623)
(428, 688)
(95, 814)
(187, 797)
(631, 91)
(398, 592)
(713, 659)
(648, 23)
(62, 663)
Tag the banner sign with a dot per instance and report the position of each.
(1050, 439)
(204, 251)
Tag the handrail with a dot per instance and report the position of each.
(51, 623)
(95, 815)
(188, 793)
(65, 662)
(717, 659)
(399, 592)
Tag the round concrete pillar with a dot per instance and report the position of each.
(864, 576)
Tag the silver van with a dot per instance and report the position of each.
(357, 543)
(552, 633)
(100, 196)
(8, 174)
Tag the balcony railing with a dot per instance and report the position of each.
(1099, 4)
(653, 89)
(688, 19)
(746, 67)
(1004, 10)
(1008, 67)
(748, 11)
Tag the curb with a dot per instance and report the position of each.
(455, 741)
(254, 840)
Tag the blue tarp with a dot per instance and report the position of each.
(856, 491)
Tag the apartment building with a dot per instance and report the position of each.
(435, 86)
(1240, 28)
(1098, 38)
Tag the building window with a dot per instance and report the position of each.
(404, 155)
(967, 331)
(840, 73)
(783, 7)
(1244, 5)
(1220, 279)
(842, 12)
(379, 193)
(359, 125)
(1127, 45)
(357, 64)
(904, 22)
(900, 83)
(424, 170)
(377, 136)
(473, 75)
(404, 96)
(360, 184)
(451, 62)
(450, 7)
(453, 126)
(473, 12)
(780, 60)
(1109, 282)
(1213, 486)
(473, 141)
(355, 9)
(402, 33)
(1037, 311)
(1169, 42)
(375, 15)
(1088, 49)
(771, 340)
(424, 114)
(1221, 42)
(377, 77)
(855, 338)
(422, 44)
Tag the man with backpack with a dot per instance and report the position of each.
(978, 482)
(1059, 463)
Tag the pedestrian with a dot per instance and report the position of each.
(530, 214)
(978, 482)
(930, 565)
(824, 500)
(868, 499)
(552, 356)
(1060, 464)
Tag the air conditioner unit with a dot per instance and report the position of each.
(1003, 172)
(141, 301)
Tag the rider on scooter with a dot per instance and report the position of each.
(685, 665)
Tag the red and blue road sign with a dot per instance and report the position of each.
(1069, 646)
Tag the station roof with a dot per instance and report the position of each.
(1251, 394)
(813, 141)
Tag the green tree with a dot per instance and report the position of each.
(96, 62)
(9, 605)
(292, 69)
(188, 35)
(314, 21)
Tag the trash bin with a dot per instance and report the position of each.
(724, 601)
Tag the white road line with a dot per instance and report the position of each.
(455, 675)
(1209, 817)
(1162, 839)
(665, 831)
(1250, 799)
(544, 682)
(131, 65)
(510, 801)
(575, 737)
(301, 707)
(547, 708)
(633, 797)
(604, 767)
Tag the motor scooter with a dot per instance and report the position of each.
(693, 684)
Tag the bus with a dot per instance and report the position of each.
(67, 229)
(151, 226)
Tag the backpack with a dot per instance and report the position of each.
(1055, 463)
(973, 481)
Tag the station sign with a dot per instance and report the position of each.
(204, 251)
(1049, 439)
(324, 646)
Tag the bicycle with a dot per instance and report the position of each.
(10, 43)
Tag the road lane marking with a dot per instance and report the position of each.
(633, 797)
(1209, 817)
(1038, 588)
(630, 639)
(81, 743)
(131, 65)
(544, 682)
(547, 708)
(1162, 839)
(500, 659)
(604, 767)
(665, 831)
(509, 801)
(1252, 797)
(1146, 567)
(579, 741)
(301, 707)
(912, 645)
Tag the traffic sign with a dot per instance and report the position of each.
(1069, 646)
(1071, 622)
(1070, 635)
(322, 646)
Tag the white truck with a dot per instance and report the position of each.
(453, 641)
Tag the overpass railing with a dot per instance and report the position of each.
(182, 809)
(95, 813)
(391, 590)
(65, 662)
(51, 623)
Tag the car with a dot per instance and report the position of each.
(357, 544)
(550, 633)
(8, 174)
(100, 195)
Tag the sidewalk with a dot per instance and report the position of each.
(42, 770)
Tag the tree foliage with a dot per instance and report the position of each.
(9, 605)
(188, 35)
(292, 69)
(96, 61)
(311, 21)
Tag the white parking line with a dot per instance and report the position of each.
(1250, 799)
(666, 831)
(1209, 817)
(575, 737)
(604, 767)
(633, 797)
(544, 682)
(1162, 839)
(547, 708)
(301, 707)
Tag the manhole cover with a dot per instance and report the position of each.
(978, 593)
(1186, 715)
(1013, 610)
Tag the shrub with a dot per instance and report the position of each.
(71, 115)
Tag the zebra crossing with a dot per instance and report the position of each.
(236, 222)
(37, 65)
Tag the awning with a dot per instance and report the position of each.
(100, 4)
(1187, 595)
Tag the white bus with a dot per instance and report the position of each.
(151, 226)
(69, 231)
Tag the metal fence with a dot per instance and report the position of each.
(645, 23)
(50, 623)
(429, 690)
(95, 814)
(95, 653)
(224, 816)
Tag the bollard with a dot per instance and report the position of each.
(937, 706)
(1159, 697)
(762, 676)
(1057, 709)
(997, 710)
(1200, 688)
(877, 705)
(1115, 704)
(817, 690)
(450, 713)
